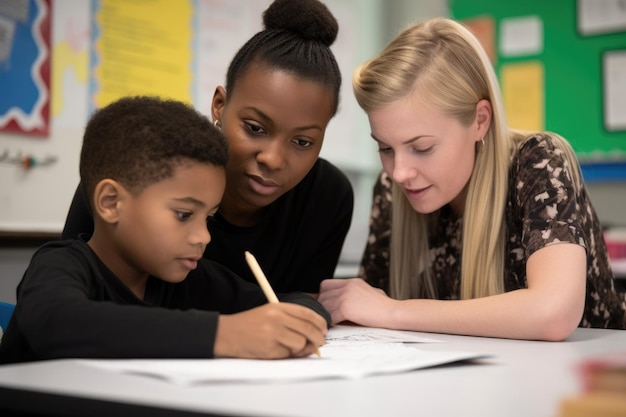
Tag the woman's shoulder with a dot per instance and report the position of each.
(328, 170)
(324, 188)
(543, 162)
(325, 178)
(382, 186)
(541, 146)
(547, 152)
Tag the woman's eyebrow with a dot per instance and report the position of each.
(406, 142)
(268, 119)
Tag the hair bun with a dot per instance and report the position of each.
(309, 19)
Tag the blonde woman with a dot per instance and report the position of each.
(476, 229)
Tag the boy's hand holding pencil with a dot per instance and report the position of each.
(272, 331)
(264, 283)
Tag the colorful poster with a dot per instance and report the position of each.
(523, 93)
(141, 48)
(25, 66)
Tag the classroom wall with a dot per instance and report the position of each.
(35, 200)
(378, 22)
(572, 100)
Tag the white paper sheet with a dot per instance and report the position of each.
(614, 76)
(521, 36)
(350, 334)
(350, 352)
(601, 16)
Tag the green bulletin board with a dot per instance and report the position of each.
(572, 75)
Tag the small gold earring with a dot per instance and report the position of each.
(483, 142)
(217, 124)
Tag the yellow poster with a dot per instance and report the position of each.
(523, 92)
(142, 48)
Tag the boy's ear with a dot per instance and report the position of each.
(218, 103)
(107, 196)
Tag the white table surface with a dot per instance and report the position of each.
(521, 378)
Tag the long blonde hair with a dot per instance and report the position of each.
(443, 62)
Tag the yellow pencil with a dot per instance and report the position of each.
(263, 282)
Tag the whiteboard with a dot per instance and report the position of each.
(36, 200)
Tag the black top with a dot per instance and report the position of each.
(297, 243)
(70, 305)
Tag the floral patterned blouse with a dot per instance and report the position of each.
(543, 207)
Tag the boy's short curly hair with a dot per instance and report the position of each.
(140, 140)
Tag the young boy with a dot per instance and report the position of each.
(153, 171)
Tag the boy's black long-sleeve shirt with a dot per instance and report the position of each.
(70, 305)
(298, 239)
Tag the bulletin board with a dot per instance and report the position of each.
(572, 56)
(25, 66)
(100, 50)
